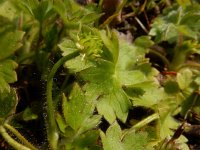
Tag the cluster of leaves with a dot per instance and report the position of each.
(111, 77)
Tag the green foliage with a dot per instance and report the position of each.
(177, 21)
(92, 101)
(78, 123)
(178, 25)
(7, 74)
(10, 43)
(117, 65)
(8, 101)
(115, 139)
(78, 110)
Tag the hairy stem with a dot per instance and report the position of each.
(52, 128)
(19, 136)
(11, 141)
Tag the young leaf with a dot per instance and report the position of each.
(90, 47)
(67, 46)
(77, 64)
(29, 115)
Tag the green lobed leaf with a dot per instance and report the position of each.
(7, 74)
(146, 93)
(104, 106)
(166, 122)
(74, 15)
(78, 110)
(77, 64)
(135, 141)
(9, 43)
(61, 122)
(90, 47)
(114, 139)
(90, 123)
(177, 20)
(131, 58)
(150, 98)
(105, 84)
(184, 78)
(105, 77)
(8, 102)
(87, 141)
(128, 57)
(116, 103)
(67, 46)
(79, 124)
